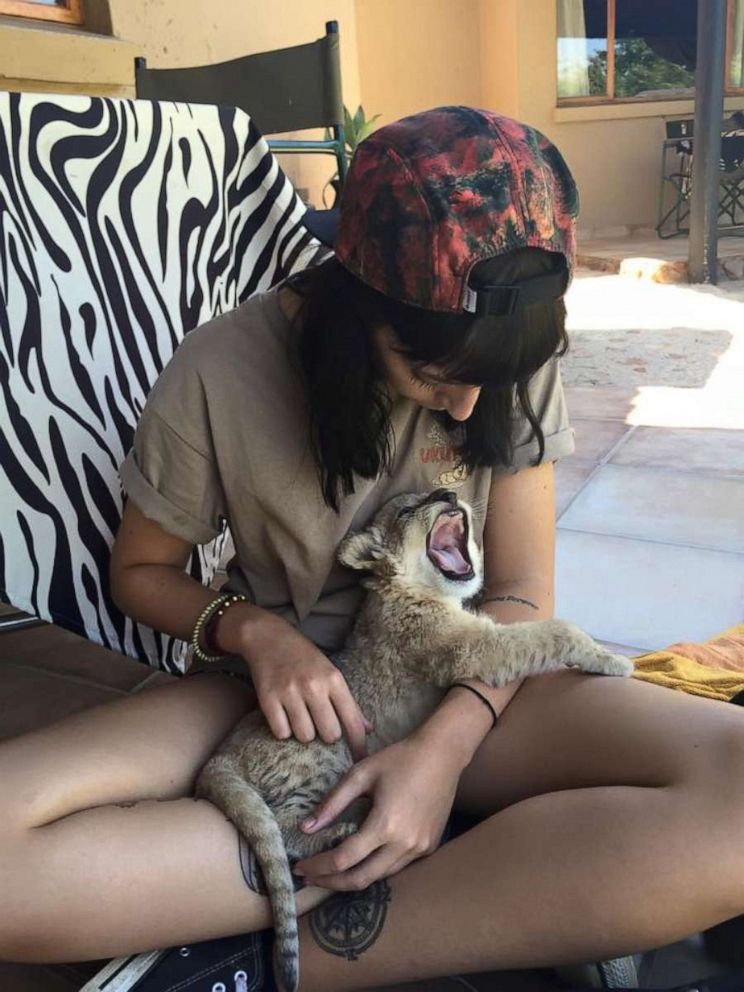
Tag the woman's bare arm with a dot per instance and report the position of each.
(519, 546)
(149, 584)
(518, 553)
(299, 690)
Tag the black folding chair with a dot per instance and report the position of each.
(289, 89)
(676, 178)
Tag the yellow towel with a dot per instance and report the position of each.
(714, 669)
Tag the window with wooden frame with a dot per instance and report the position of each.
(612, 51)
(735, 47)
(66, 11)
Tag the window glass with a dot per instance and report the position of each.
(582, 48)
(736, 68)
(655, 47)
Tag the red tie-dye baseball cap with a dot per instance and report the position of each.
(429, 196)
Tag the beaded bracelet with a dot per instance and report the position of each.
(209, 633)
(218, 605)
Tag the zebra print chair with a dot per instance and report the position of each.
(123, 225)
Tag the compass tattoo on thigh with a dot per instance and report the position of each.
(349, 923)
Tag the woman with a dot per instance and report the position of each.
(423, 355)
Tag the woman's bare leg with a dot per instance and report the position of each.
(646, 850)
(101, 851)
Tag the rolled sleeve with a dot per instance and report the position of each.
(549, 403)
(172, 482)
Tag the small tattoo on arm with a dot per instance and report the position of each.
(512, 599)
(349, 923)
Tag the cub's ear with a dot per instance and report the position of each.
(362, 550)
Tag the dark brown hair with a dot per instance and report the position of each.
(348, 403)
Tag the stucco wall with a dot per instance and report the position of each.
(613, 150)
(49, 58)
(397, 58)
(501, 54)
(418, 54)
(498, 27)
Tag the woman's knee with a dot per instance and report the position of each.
(710, 796)
(569, 730)
(149, 745)
(714, 763)
(19, 883)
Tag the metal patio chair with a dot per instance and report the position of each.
(677, 176)
(289, 89)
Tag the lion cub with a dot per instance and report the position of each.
(412, 638)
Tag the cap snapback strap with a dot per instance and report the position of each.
(487, 300)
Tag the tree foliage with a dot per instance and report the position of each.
(637, 69)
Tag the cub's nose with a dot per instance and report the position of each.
(442, 496)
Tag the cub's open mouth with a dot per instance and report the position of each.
(447, 545)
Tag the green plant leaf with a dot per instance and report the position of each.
(356, 128)
(367, 129)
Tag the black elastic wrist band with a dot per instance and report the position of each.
(462, 685)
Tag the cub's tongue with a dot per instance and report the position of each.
(446, 544)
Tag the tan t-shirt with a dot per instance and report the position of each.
(224, 436)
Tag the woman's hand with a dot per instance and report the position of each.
(412, 787)
(299, 690)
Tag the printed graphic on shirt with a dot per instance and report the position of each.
(442, 455)
(454, 478)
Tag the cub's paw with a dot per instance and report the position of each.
(606, 663)
(339, 832)
(300, 845)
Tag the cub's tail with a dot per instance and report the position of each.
(224, 786)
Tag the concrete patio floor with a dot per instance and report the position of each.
(650, 546)
(651, 505)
